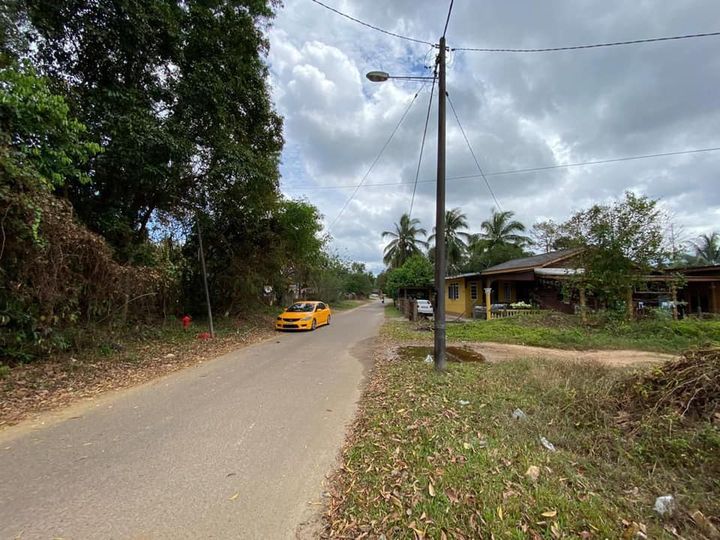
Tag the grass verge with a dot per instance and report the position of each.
(567, 332)
(440, 456)
(106, 359)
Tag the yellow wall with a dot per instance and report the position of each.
(455, 306)
(464, 304)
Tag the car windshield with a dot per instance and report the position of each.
(301, 307)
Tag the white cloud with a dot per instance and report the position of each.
(518, 111)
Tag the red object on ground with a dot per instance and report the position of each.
(204, 335)
(186, 321)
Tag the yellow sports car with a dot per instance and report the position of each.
(304, 315)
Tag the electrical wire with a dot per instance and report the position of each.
(517, 171)
(447, 21)
(422, 148)
(592, 46)
(377, 158)
(370, 25)
(477, 163)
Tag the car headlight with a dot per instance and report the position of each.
(279, 318)
(306, 318)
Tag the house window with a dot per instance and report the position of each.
(473, 291)
(508, 292)
(453, 291)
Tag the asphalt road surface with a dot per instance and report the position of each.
(233, 448)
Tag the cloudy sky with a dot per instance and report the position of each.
(519, 110)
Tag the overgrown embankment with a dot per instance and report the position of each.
(114, 359)
(441, 456)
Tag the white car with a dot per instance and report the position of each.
(424, 307)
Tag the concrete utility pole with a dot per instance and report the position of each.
(440, 248)
(204, 270)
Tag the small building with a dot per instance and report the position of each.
(532, 279)
(539, 279)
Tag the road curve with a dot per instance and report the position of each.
(233, 448)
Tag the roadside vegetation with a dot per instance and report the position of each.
(555, 330)
(110, 174)
(441, 456)
(106, 359)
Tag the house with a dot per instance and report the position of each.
(529, 279)
(539, 280)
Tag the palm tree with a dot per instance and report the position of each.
(404, 243)
(501, 229)
(707, 249)
(456, 241)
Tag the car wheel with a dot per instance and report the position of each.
(328, 320)
(314, 325)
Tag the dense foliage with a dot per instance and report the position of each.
(126, 129)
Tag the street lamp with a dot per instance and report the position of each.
(440, 262)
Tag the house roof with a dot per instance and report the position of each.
(530, 263)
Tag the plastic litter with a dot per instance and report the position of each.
(463, 402)
(429, 359)
(547, 444)
(665, 505)
(518, 414)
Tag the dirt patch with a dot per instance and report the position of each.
(497, 352)
(57, 382)
(454, 353)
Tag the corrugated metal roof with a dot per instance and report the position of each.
(536, 261)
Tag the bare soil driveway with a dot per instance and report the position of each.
(234, 448)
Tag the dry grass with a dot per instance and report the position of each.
(440, 456)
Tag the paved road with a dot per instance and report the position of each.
(233, 448)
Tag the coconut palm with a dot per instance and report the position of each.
(405, 242)
(456, 240)
(501, 229)
(707, 249)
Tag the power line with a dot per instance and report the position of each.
(370, 25)
(377, 158)
(457, 118)
(447, 21)
(518, 171)
(592, 46)
(422, 147)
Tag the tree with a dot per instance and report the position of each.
(416, 271)
(405, 242)
(499, 241)
(176, 93)
(707, 249)
(456, 240)
(502, 229)
(549, 236)
(621, 242)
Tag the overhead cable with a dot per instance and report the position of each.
(370, 25)
(377, 158)
(592, 46)
(422, 147)
(517, 171)
(477, 163)
(447, 21)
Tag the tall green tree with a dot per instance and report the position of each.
(176, 93)
(456, 239)
(405, 242)
(501, 228)
(707, 249)
(416, 271)
(498, 241)
(621, 241)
